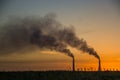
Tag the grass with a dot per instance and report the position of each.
(60, 75)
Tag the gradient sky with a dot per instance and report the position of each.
(97, 21)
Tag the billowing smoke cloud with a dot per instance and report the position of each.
(45, 32)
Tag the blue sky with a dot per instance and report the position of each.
(28, 7)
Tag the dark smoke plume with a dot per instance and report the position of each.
(68, 36)
(44, 32)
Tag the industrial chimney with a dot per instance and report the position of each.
(99, 64)
(73, 63)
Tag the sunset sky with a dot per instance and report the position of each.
(96, 21)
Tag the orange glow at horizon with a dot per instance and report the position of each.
(50, 60)
(58, 66)
(56, 61)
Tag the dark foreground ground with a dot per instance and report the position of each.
(60, 75)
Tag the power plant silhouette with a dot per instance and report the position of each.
(73, 64)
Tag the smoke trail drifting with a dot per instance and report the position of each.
(68, 36)
(44, 32)
(49, 42)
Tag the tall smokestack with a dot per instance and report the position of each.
(99, 64)
(73, 63)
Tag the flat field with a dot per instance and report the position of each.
(60, 75)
